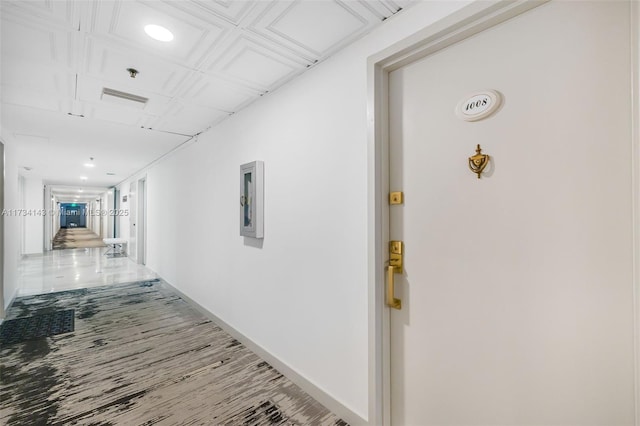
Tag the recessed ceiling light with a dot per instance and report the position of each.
(158, 33)
(83, 178)
(89, 165)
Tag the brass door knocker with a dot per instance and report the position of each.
(478, 162)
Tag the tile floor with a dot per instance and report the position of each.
(76, 268)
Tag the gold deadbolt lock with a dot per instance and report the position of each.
(396, 197)
(396, 257)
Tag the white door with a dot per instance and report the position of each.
(142, 221)
(133, 218)
(517, 292)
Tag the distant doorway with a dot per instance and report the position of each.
(142, 222)
(133, 219)
(73, 215)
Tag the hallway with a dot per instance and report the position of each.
(139, 354)
(310, 176)
(74, 238)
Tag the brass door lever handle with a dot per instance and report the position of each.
(392, 302)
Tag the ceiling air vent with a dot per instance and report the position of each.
(123, 98)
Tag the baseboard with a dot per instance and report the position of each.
(318, 394)
(38, 254)
(9, 305)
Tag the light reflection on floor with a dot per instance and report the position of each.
(59, 270)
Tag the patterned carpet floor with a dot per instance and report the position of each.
(140, 355)
(76, 238)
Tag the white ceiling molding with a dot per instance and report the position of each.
(58, 56)
(301, 26)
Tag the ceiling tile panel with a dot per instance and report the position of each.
(50, 13)
(58, 55)
(304, 24)
(110, 63)
(114, 114)
(24, 75)
(90, 91)
(216, 92)
(35, 44)
(124, 22)
(381, 9)
(148, 121)
(32, 98)
(301, 26)
(230, 11)
(74, 108)
(257, 65)
(188, 119)
(397, 5)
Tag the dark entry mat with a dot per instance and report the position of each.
(37, 326)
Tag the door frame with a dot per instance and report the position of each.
(141, 231)
(468, 21)
(2, 265)
(132, 201)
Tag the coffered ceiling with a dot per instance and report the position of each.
(58, 56)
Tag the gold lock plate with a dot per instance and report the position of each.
(395, 267)
(396, 197)
(395, 255)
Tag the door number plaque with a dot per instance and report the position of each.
(478, 105)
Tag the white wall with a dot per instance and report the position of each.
(104, 222)
(2, 314)
(302, 293)
(635, 42)
(111, 219)
(55, 208)
(48, 219)
(94, 217)
(33, 195)
(123, 221)
(12, 235)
